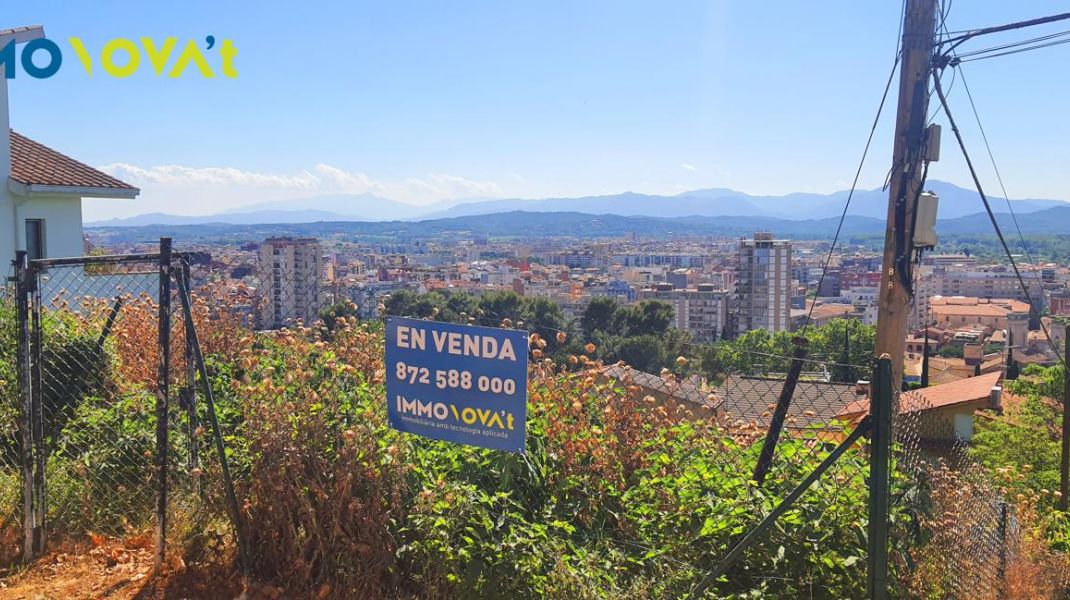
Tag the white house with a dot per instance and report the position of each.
(41, 190)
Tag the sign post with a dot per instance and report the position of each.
(457, 383)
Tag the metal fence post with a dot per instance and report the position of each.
(188, 393)
(217, 436)
(783, 403)
(162, 398)
(879, 485)
(37, 411)
(1001, 574)
(22, 321)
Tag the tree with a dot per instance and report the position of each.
(459, 307)
(544, 316)
(598, 315)
(498, 306)
(1027, 436)
(407, 303)
(642, 352)
(951, 351)
(649, 317)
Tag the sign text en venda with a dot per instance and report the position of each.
(457, 383)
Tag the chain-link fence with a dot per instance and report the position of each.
(754, 483)
(750, 439)
(98, 400)
(957, 535)
(111, 388)
(11, 427)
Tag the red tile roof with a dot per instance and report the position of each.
(962, 391)
(970, 310)
(33, 163)
(948, 394)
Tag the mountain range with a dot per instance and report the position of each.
(520, 224)
(955, 202)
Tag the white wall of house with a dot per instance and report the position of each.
(61, 213)
(963, 424)
(62, 216)
(7, 209)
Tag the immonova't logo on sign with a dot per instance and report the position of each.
(122, 57)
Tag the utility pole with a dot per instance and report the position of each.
(919, 28)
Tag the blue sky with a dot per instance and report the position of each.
(421, 101)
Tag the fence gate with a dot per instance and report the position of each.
(107, 436)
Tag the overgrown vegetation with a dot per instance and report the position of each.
(1022, 449)
(616, 495)
(641, 334)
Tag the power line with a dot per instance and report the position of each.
(984, 136)
(992, 215)
(1019, 50)
(959, 39)
(1014, 44)
(999, 176)
(858, 172)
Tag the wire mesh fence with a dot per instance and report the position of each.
(99, 417)
(729, 422)
(117, 444)
(657, 478)
(957, 535)
(11, 429)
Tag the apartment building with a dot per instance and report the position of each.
(993, 283)
(702, 310)
(290, 280)
(764, 283)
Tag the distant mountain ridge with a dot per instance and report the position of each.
(955, 202)
(520, 224)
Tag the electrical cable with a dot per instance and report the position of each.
(858, 174)
(1009, 45)
(992, 215)
(959, 39)
(999, 177)
(1017, 51)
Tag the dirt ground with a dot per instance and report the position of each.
(121, 570)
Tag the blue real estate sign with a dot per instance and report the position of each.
(457, 383)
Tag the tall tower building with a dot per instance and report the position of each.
(764, 283)
(290, 272)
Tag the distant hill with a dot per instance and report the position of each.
(626, 204)
(236, 218)
(352, 207)
(519, 224)
(1050, 221)
(955, 202)
(340, 207)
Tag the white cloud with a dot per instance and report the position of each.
(180, 175)
(688, 167)
(178, 189)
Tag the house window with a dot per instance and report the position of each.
(35, 238)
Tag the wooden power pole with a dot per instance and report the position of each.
(919, 29)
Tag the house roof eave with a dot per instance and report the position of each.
(35, 189)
